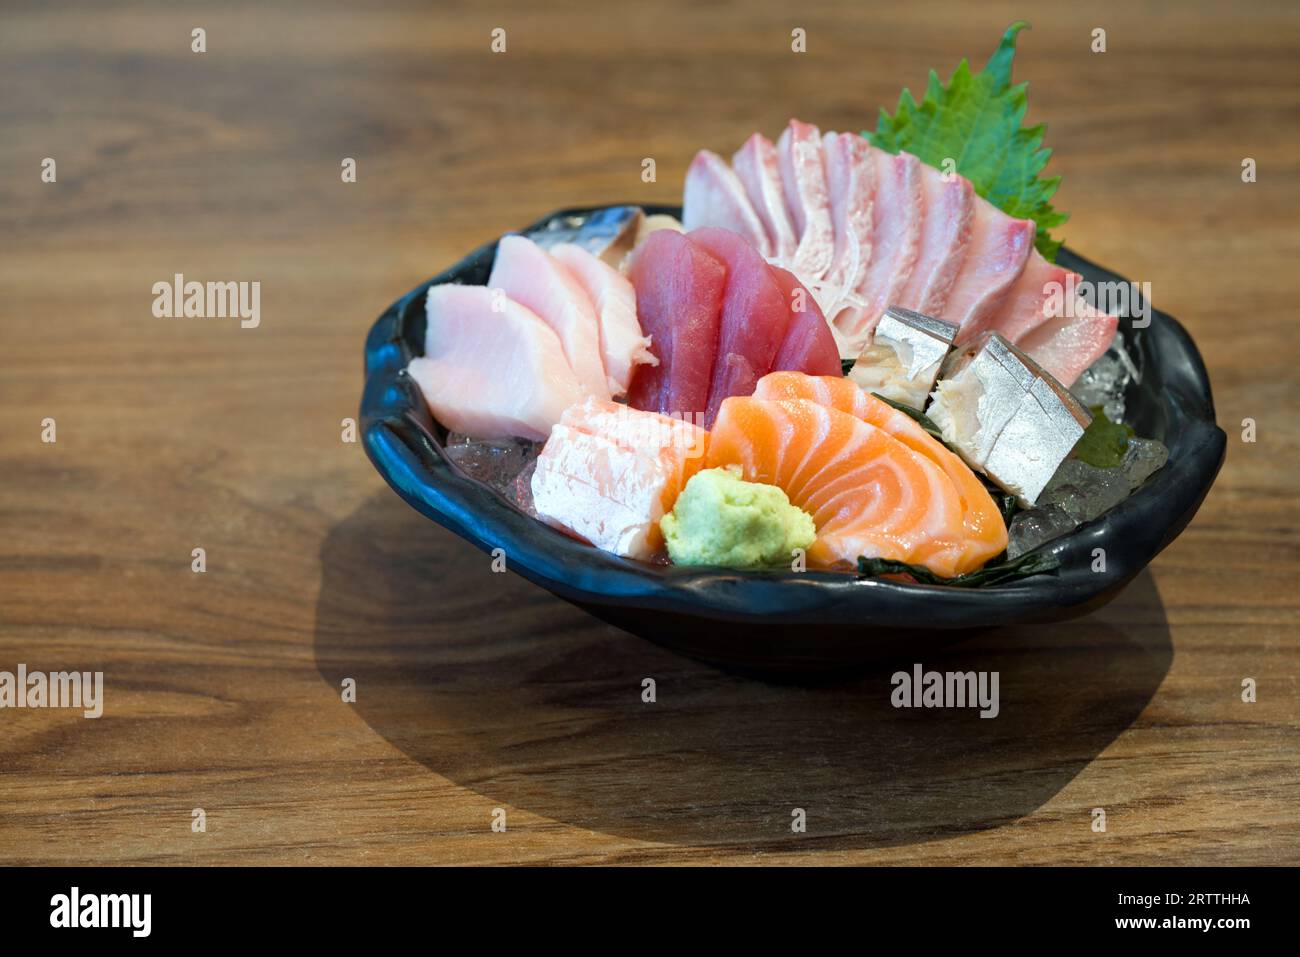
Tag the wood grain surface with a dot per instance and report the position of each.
(479, 691)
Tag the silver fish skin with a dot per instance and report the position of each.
(1006, 416)
(607, 233)
(904, 356)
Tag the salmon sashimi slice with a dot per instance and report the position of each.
(809, 345)
(608, 474)
(945, 235)
(622, 345)
(759, 170)
(714, 196)
(868, 493)
(679, 286)
(1067, 345)
(895, 244)
(473, 344)
(753, 321)
(985, 531)
(531, 277)
(851, 185)
(803, 176)
(998, 251)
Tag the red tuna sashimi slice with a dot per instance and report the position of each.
(753, 321)
(851, 186)
(809, 345)
(945, 237)
(759, 170)
(531, 277)
(491, 367)
(1067, 345)
(895, 243)
(803, 176)
(1037, 296)
(679, 287)
(622, 346)
(714, 196)
(999, 248)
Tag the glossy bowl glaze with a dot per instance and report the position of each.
(782, 620)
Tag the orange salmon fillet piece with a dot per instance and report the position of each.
(985, 533)
(868, 493)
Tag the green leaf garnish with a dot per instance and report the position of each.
(976, 121)
(1031, 563)
(1104, 442)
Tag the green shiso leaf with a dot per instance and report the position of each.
(975, 120)
(1032, 563)
(1104, 442)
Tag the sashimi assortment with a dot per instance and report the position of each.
(865, 229)
(682, 391)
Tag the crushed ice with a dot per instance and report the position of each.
(506, 465)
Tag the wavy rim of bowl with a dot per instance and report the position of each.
(405, 446)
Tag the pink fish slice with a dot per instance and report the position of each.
(851, 186)
(714, 196)
(945, 239)
(759, 169)
(803, 176)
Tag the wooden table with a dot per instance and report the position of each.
(223, 688)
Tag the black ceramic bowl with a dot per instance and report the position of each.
(782, 620)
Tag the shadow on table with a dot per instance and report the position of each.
(508, 691)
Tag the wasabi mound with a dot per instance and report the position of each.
(720, 519)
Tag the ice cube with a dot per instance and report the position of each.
(1036, 526)
(520, 491)
(494, 462)
(1084, 491)
(1142, 458)
(1103, 383)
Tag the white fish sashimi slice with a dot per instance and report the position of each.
(1035, 297)
(945, 238)
(851, 186)
(605, 493)
(531, 277)
(622, 344)
(803, 177)
(998, 250)
(759, 170)
(491, 372)
(1068, 344)
(896, 218)
(714, 196)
